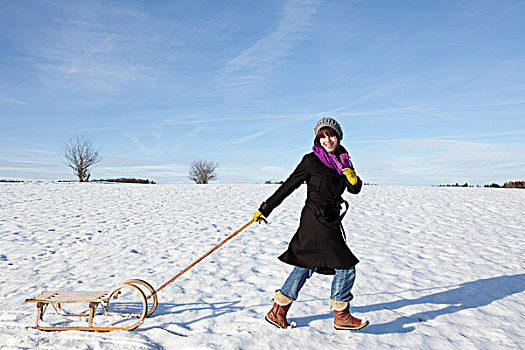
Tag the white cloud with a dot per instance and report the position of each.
(254, 64)
(250, 137)
(9, 100)
(99, 50)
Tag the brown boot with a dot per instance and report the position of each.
(277, 315)
(343, 320)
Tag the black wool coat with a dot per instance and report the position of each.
(319, 240)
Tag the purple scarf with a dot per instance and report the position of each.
(337, 160)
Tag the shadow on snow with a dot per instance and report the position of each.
(468, 295)
(217, 309)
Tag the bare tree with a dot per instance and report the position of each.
(203, 171)
(80, 155)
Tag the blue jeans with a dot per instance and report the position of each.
(341, 284)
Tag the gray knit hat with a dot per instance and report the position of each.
(330, 122)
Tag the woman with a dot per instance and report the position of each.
(319, 243)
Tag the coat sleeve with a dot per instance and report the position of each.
(299, 175)
(354, 189)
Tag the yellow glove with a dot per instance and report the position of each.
(350, 175)
(258, 217)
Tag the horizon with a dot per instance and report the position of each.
(426, 93)
(153, 182)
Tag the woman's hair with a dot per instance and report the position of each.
(323, 132)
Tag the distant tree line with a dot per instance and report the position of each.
(126, 180)
(121, 180)
(510, 184)
(269, 182)
(456, 185)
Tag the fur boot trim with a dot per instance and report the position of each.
(337, 305)
(281, 299)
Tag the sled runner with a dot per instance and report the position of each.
(96, 299)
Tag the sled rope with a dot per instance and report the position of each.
(199, 259)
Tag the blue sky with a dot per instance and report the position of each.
(427, 92)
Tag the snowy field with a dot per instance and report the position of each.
(441, 268)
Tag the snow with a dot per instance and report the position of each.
(441, 268)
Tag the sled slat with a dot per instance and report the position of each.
(69, 297)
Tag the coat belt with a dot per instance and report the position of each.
(320, 212)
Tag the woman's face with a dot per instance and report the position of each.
(329, 143)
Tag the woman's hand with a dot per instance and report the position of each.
(258, 217)
(350, 175)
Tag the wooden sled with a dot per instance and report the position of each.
(93, 299)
